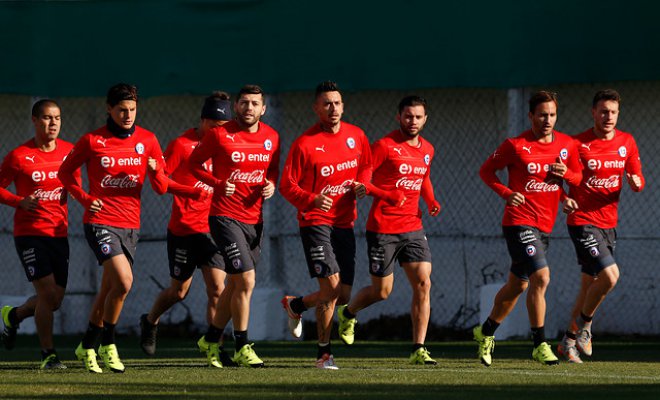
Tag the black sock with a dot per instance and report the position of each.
(585, 318)
(321, 350)
(417, 346)
(213, 334)
(489, 327)
(348, 314)
(570, 335)
(108, 334)
(91, 336)
(13, 318)
(46, 353)
(240, 339)
(298, 306)
(538, 335)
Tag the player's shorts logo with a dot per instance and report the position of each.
(106, 249)
(236, 263)
(594, 252)
(350, 142)
(623, 151)
(318, 268)
(531, 250)
(177, 271)
(427, 159)
(31, 271)
(375, 267)
(268, 144)
(563, 153)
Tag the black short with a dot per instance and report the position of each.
(42, 256)
(594, 247)
(238, 242)
(527, 247)
(108, 241)
(329, 250)
(186, 253)
(384, 249)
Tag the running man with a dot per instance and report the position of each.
(401, 173)
(537, 161)
(118, 156)
(189, 242)
(40, 226)
(245, 154)
(322, 176)
(606, 154)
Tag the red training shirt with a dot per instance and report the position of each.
(246, 159)
(327, 163)
(35, 172)
(605, 162)
(527, 160)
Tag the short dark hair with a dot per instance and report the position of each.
(121, 92)
(540, 97)
(38, 107)
(324, 87)
(607, 94)
(411, 101)
(251, 89)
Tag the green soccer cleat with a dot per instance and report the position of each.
(486, 346)
(88, 357)
(52, 362)
(246, 357)
(110, 358)
(346, 326)
(212, 351)
(422, 356)
(543, 354)
(9, 331)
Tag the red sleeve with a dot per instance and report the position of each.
(8, 173)
(69, 172)
(289, 185)
(273, 172)
(573, 174)
(157, 179)
(634, 164)
(173, 158)
(427, 194)
(497, 161)
(365, 168)
(204, 150)
(378, 157)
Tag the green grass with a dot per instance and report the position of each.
(369, 370)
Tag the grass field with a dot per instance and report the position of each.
(369, 370)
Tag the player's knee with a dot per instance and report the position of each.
(382, 293)
(181, 294)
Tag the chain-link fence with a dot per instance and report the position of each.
(464, 125)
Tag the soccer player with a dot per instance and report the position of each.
(537, 161)
(322, 176)
(40, 226)
(189, 242)
(606, 154)
(245, 154)
(118, 156)
(401, 168)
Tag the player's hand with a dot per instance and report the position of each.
(29, 203)
(634, 181)
(434, 209)
(323, 202)
(96, 206)
(269, 190)
(229, 188)
(152, 164)
(570, 205)
(359, 189)
(515, 199)
(558, 168)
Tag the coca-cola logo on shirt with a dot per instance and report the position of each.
(55, 194)
(607, 183)
(120, 182)
(256, 176)
(536, 186)
(336, 190)
(40, 176)
(203, 186)
(410, 184)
